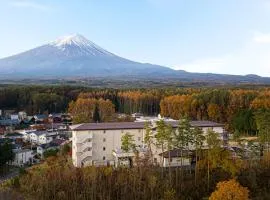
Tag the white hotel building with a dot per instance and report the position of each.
(100, 143)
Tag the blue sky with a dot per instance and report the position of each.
(219, 36)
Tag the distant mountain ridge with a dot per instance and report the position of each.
(76, 56)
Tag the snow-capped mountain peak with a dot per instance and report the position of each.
(75, 39)
(76, 43)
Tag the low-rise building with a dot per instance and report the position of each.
(176, 157)
(54, 144)
(95, 143)
(22, 157)
(14, 135)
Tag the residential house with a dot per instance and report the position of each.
(34, 136)
(22, 115)
(55, 118)
(54, 144)
(42, 137)
(14, 117)
(14, 136)
(41, 118)
(23, 157)
(176, 157)
(48, 137)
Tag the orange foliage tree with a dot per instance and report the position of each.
(230, 190)
(213, 111)
(83, 109)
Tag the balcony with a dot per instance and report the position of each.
(119, 153)
(82, 146)
(86, 154)
(84, 138)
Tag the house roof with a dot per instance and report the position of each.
(41, 116)
(198, 124)
(137, 125)
(39, 133)
(8, 122)
(55, 115)
(13, 135)
(5, 140)
(21, 150)
(55, 125)
(58, 141)
(54, 143)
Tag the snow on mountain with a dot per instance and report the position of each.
(81, 44)
(76, 56)
(73, 55)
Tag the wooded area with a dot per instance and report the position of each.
(58, 179)
(238, 108)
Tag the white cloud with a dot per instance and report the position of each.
(30, 4)
(262, 38)
(253, 58)
(203, 65)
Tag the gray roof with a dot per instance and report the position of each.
(39, 133)
(175, 153)
(198, 124)
(9, 122)
(111, 126)
(137, 125)
(21, 150)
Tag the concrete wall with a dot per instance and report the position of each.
(101, 144)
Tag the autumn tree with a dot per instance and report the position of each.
(230, 190)
(213, 151)
(149, 139)
(263, 124)
(86, 110)
(197, 139)
(106, 109)
(82, 110)
(214, 112)
(182, 137)
(161, 137)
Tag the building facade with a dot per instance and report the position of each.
(22, 157)
(100, 143)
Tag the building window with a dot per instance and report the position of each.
(139, 138)
(104, 131)
(104, 148)
(122, 131)
(104, 139)
(104, 158)
(139, 130)
(89, 149)
(89, 140)
(170, 159)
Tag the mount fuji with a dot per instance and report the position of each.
(75, 56)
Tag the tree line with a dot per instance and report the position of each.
(238, 108)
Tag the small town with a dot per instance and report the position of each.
(132, 137)
(117, 144)
(134, 100)
(101, 144)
